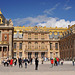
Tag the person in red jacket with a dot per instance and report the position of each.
(57, 61)
(11, 62)
(52, 61)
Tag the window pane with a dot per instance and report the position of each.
(14, 45)
(56, 46)
(20, 54)
(20, 46)
(50, 46)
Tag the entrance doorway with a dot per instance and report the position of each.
(42, 54)
(36, 54)
(29, 55)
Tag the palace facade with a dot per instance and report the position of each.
(36, 41)
(67, 44)
(6, 37)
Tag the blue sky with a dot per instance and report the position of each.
(39, 12)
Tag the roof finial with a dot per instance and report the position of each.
(0, 11)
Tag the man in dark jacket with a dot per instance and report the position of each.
(36, 64)
(25, 60)
(20, 62)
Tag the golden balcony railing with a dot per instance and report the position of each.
(3, 42)
(14, 49)
(37, 49)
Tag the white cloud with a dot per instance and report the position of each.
(42, 21)
(67, 8)
(53, 22)
(30, 21)
(50, 11)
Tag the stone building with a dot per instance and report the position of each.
(36, 41)
(6, 37)
(67, 44)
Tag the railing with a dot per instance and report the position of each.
(37, 49)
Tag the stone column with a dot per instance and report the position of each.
(23, 48)
(39, 55)
(10, 44)
(48, 47)
(53, 46)
(32, 54)
(7, 52)
(45, 54)
(17, 49)
(58, 50)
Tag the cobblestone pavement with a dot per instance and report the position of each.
(42, 68)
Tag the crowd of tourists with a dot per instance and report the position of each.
(13, 62)
(56, 61)
(20, 61)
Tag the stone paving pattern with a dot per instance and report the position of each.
(42, 68)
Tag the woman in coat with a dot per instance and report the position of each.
(11, 62)
(36, 64)
(52, 62)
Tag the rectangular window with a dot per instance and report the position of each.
(56, 54)
(20, 54)
(42, 54)
(42, 36)
(56, 46)
(50, 46)
(20, 46)
(14, 45)
(0, 20)
(29, 35)
(36, 36)
(14, 54)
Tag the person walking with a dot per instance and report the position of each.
(62, 61)
(31, 61)
(20, 62)
(15, 61)
(25, 60)
(7, 62)
(42, 60)
(11, 62)
(55, 61)
(52, 61)
(36, 64)
(73, 62)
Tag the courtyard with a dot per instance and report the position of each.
(66, 69)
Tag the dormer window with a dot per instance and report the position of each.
(1, 20)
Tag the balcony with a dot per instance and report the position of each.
(3, 42)
(36, 50)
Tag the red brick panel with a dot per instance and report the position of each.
(3, 38)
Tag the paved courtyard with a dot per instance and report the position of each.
(66, 69)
